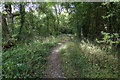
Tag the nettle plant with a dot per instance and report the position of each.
(109, 40)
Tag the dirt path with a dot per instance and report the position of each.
(54, 66)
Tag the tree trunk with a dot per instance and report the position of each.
(48, 24)
(12, 25)
(5, 28)
(22, 13)
(56, 15)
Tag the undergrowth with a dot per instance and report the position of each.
(26, 59)
(85, 60)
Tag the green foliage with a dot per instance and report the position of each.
(26, 60)
(87, 61)
(73, 62)
(4, 12)
(41, 28)
(109, 39)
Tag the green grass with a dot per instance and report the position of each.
(28, 58)
(84, 60)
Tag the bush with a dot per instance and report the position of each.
(109, 39)
(26, 60)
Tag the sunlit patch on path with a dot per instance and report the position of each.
(54, 69)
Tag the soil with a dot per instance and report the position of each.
(54, 69)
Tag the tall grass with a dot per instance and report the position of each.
(81, 59)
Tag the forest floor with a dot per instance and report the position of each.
(54, 69)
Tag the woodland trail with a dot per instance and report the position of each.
(54, 69)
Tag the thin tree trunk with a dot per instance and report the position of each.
(48, 24)
(22, 13)
(56, 14)
(12, 25)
